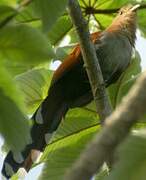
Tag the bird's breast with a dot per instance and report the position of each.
(114, 54)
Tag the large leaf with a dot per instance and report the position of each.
(7, 84)
(24, 43)
(50, 11)
(59, 29)
(28, 15)
(34, 85)
(76, 120)
(98, 4)
(70, 139)
(6, 2)
(12, 120)
(114, 4)
(64, 153)
(16, 68)
(132, 159)
(5, 13)
(104, 4)
(104, 20)
(12, 124)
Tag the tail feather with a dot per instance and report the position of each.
(45, 121)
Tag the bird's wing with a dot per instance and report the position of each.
(72, 59)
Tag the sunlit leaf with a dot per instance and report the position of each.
(8, 2)
(34, 85)
(104, 20)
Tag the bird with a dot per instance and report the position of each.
(70, 85)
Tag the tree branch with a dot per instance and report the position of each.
(90, 61)
(116, 128)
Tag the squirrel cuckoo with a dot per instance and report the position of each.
(70, 86)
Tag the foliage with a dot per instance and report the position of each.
(31, 36)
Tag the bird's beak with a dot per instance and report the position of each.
(134, 8)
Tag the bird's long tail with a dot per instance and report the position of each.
(45, 121)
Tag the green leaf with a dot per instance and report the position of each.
(70, 139)
(63, 154)
(28, 16)
(73, 35)
(50, 11)
(63, 52)
(110, 4)
(122, 86)
(132, 159)
(142, 22)
(12, 124)
(59, 29)
(99, 4)
(24, 43)
(7, 84)
(76, 120)
(104, 4)
(5, 13)
(104, 20)
(15, 68)
(12, 120)
(6, 2)
(34, 85)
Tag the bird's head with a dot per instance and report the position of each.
(125, 22)
(127, 15)
(128, 11)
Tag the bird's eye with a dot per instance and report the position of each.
(121, 12)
